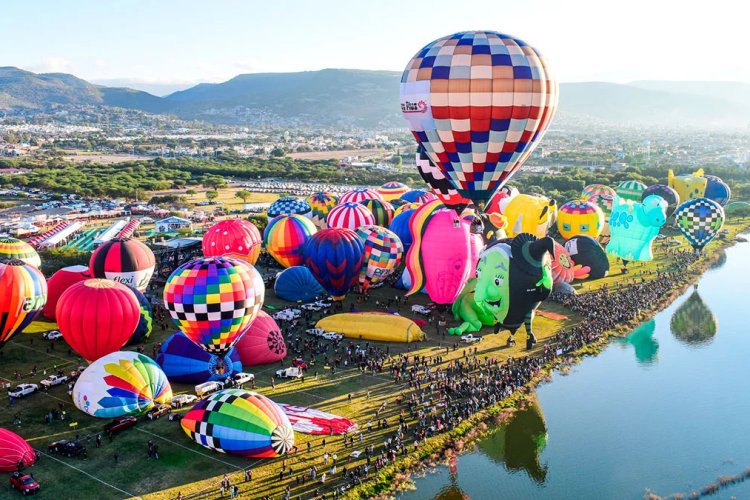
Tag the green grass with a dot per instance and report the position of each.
(186, 467)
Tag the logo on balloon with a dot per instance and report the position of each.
(414, 107)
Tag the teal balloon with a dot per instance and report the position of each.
(645, 345)
(634, 225)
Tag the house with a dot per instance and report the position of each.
(172, 224)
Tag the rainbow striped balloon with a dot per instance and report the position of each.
(213, 299)
(350, 215)
(381, 210)
(392, 190)
(24, 293)
(320, 204)
(285, 237)
(12, 248)
(239, 422)
(406, 206)
(383, 254)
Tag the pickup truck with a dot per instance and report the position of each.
(52, 380)
(291, 372)
(470, 339)
(207, 388)
(416, 308)
(52, 335)
(119, 424)
(23, 483)
(180, 400)
(23, 390)
(240, 378)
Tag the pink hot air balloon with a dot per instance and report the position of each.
(476, 244)
(440, 256)
(262, 342)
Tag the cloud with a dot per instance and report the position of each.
(53, 64)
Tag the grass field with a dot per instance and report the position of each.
(195, 471)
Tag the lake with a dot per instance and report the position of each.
(666, 409)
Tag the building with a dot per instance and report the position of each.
(172, 224)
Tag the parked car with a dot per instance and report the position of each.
(67, 448)
(23, 390)
(287, 315)
(181, 400)
(119, 424)
(207, 388)
(52, 335)
(416, 308)
(157, 412)
(332, 336)
(470, 339)
(291, 372)
(311, 307)
(241, 378)
(317, 332)
(323, 304)
(24, 483)
(53, 380)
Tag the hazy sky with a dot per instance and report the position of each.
(186, 41)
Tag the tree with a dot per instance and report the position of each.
(191, 192)
(243, 195)
(277, 152)
(211, 195)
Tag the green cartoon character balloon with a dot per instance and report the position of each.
(513, 277)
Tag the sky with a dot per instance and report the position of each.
(168, 44)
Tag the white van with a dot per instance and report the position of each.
(206, 388)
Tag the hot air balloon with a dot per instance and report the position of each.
(564, 270)
(24, 293)
(440, 185)
(262, 342)
(588, 253)
(666, 192)
(239, 422)
(381, 210)
(383, 254)
(630, 190)
(717, 190)
(335, 256)
(476, 239)
(186, 363)
(236, 238)
(699, 220)
(600, 194)
(350, 215)
(320, 204)
(527, 213)
(212, 300)
(392, 190)
(688, 186)
(12, 248)
(121, 383)
(479, 103)
(97, 317)
(580, 217)
(359, 195)
(146, 320)
(418, 196)
(693, 322)
(500, 200)
(14, 451)
(406, 206)
(288, 205)
(513, 277)
(400, 225)
(633, 227)
(285, 237)
(440, 256)
(126, 261)
(61, 281)
(297, 284)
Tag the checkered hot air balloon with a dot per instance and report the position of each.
(320, 204)
(699, 220)
(240, 422)
(600, 194)
(359, 195)
(381, 210)
(630, 190)
(392, 190)
(350, 215)
(383, 254)
(479, 102)
(440, 185)
(11, 248)
(23, 293)
(213, 299)
(288, 205)
(285, 237)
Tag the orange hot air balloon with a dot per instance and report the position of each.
(97, 317)
(23, 293)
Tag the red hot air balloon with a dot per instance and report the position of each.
(23, 292)
(97, 317)
(479, 102)
(262, 342)
(236, 238)
(59, 282)
(126, 261)
(14, 450)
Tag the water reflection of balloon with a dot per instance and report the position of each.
(643, 341)
(693, 322)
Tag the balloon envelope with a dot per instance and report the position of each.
(383, 254)
(441, 186)
(262, 342)
(381, 210)
(288, 205)
(717, 190)
(12, 248)
(146, 320)
(699, 220)
(334, 256)
(392, 190)
(630, 190)
(184, 362)
(350, 215)
(285, 238)
(212, 300)
(580, 217)
(233, 238)
(297, 284)
(14, 450)
(320, 204)
(359, 195)
(61, 281)
(239, 422)
(126, 261)
(97, 317)
(586, 251)
(634, 225)
(24, 293)
(121, 383)
(600, 194)
(401, 228)
(666, 192)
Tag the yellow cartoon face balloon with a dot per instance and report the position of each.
(579, 217)
(527, 213)
(688, 186)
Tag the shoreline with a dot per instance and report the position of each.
(438, 450)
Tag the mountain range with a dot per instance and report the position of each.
(369, 99)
